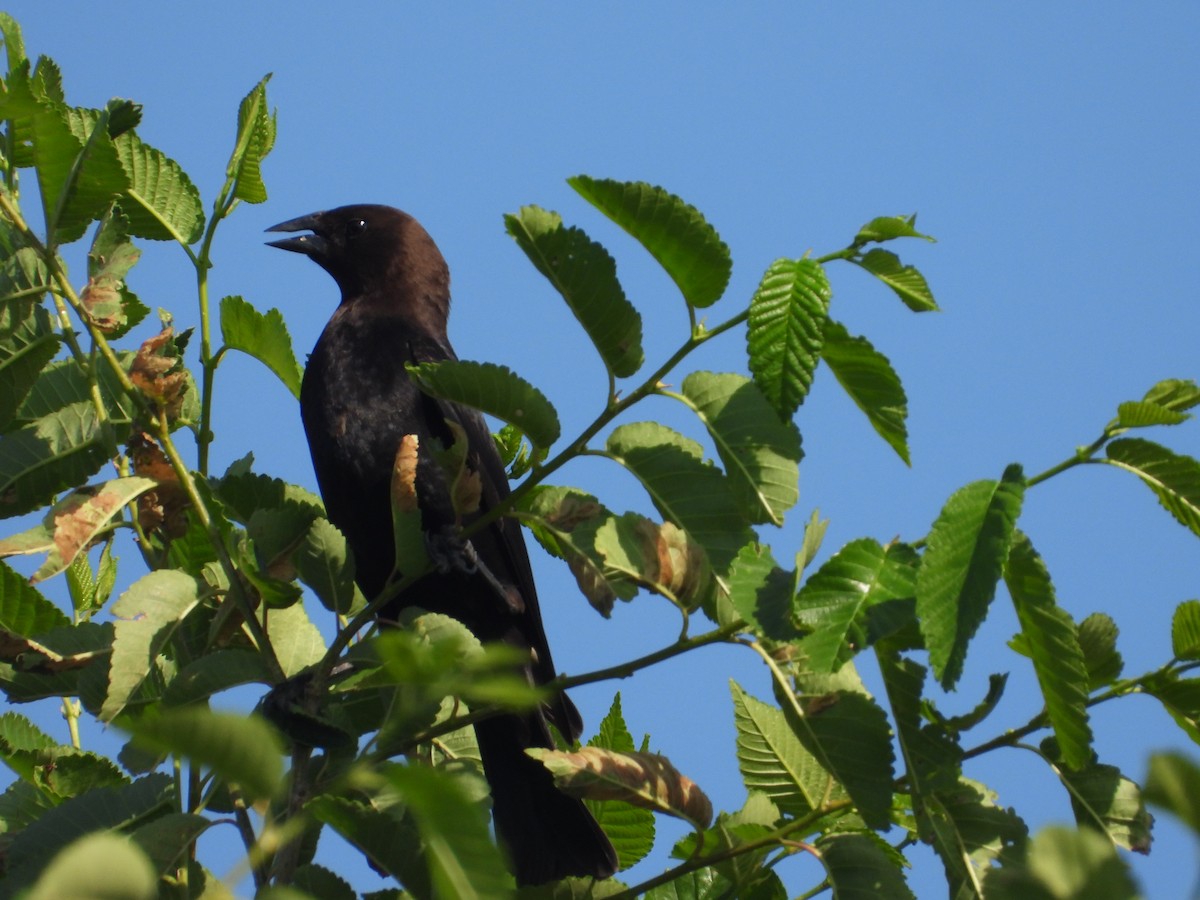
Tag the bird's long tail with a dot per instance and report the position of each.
(547, 834)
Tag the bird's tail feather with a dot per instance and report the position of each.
(548, 834)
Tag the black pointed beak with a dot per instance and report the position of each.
(309, 244)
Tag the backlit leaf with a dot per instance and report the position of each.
(1174, 478)
(786, 331)
(58, 451)
(263, 336)
(1106, 800)
(1097, 636)
(888, 228)
(674, 232)
(872, 383)
(629, 828)
(161, 202)
(963, 561)
(255, 138)
(908, 284)
(1185, 630)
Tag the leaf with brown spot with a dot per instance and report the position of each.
(73, 523)
(647, 780)
(163, 508)
(158, 372)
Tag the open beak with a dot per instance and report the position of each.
(309, 244)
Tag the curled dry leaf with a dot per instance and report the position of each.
(647, 780)
(159, 374)
(674, 561)
(404, 475)
(162, 509)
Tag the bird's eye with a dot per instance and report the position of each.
(355, 227)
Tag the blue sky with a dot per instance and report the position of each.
(1051, 149)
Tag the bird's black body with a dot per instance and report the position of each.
(358, 402)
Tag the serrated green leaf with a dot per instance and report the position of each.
(868, 377)
(167, 839)
(247, 492)
(14, 45)
(586, 276)
(161, 202)
(1185, 630)
(629, 828)
(385, 833)
(701, 884)
(674, 232)
(324, 563)
(238, 748)
(1141, 414)
(23, 609)
(463, 861)
(25, 349)
(786, 331)
(1174, 478)
(122, 807)
(98, 865)
(1173, 783)
(684, 488)
(496, 390)
(1176, 394)
(1067, 863)
(63, 383)
(834, 603)
(962, 563)
(861, 867)
(760, 453)
(1097, 636)
(150, 611)
(1181, 699)
(72, 523)
(263, 336)
(214, 672)
(773, 761)
(255, 138)
(888, 228)
(58, 451)
(1106, 800)
(908, 284)
(1058, 661)
(297, 641)
(762, 593)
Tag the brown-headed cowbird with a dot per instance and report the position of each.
(357, 403)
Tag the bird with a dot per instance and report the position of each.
(357, 402)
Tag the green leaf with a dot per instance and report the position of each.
(629, 828)
(1049, 636)
(1173, 783)
(98, 865)
(63, 383)
(1065, 863)
(862, 867)
(324, 563)
(1097, 636)
(161, 202)
(1106, 800)
(908, 284)
(14, 45)
(24, 351)
(385, 833)
(835, 602)
(23, 609)
(762, 593)
(78, 168)
(167, 839)
(74, 522)
(496, 390)
(238, 748)
(263, 336)
(888, 228)
(297, 641)
(150, 611)
(1174, 479)
(58, 451)
(463, 862)
(674, 232)
(255, 138)
(1141, 414)
(761, 454)
(683, 487)
(1181, 699)
(216, 671)
(1175, 394)
(1185, 630)
(663, 558)
(122, 808)
(786, 332)
(702, 884)
(867, 376)
(586, 276)
(772, 759)
(967, 547)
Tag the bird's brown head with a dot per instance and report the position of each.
(376, 254)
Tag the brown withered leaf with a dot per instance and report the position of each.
(159, 374)
(101, 299)
(70, 526)
(404, 474)
(162, 509)
(674, 561)
(647, 780)
(573, 509)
